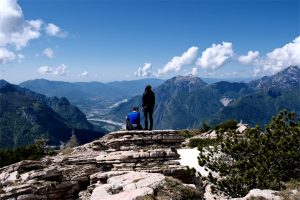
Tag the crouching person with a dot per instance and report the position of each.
(133, 120)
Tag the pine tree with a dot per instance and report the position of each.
(258, 160)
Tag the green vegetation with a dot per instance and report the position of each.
(205, 127)
(31, 152)
(26, 116)
(257, 160)
(227, 125)
(203, 142)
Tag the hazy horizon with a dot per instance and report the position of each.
(211, 80)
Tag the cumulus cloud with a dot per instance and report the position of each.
(55, 31)
(85, 74)
(10, 15)
(177, 62)
(48, 52)
(144, 71)
(16, 32)
(249, 58)
(61, 70)
(215, 56)
(6, 55)
(194, 71)
(45, 70)
(280, 58)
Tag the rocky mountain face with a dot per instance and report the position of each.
(187, 102)
(121, 165)
(169, 97)
(26, 116)
(270, 95)
(288, 79)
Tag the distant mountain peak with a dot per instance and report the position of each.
(3, 83)
(187, 79)
(180, 83)
(292, 69)
(288, 78)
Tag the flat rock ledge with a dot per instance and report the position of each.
(121, 165)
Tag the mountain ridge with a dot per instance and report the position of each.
(178, 107)
(26, 116)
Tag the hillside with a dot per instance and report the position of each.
(187, 102)
(27, 116)
(270, 95)
(89, 95)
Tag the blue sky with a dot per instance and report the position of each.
(104, 41)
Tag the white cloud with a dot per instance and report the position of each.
(215, 56)
(55, 31)
(145, 71)
(14, 30)
(48, 52)
(85, 74)
(194, 71)
(249, 58)
(61, 70)
(6, 55)
(280, 58)
(10, 15)
(45, 70)
(178, 62)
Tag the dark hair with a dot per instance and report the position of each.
(148, 87)
(135, 109)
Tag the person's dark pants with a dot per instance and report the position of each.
(128, 124)
(148, 112)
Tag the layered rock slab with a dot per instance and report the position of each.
(149, 155)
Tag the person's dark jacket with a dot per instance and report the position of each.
(148, 99)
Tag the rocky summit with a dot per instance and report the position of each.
(121, 165)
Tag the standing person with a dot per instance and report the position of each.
(148, 102)
(133, 120)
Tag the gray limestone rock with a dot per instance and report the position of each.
(121, 165)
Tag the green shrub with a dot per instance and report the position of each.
(205, 127)
(31, 152)
(258, 160)
(203, 142)
(227, 125)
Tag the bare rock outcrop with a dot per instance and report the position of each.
(121, 165)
